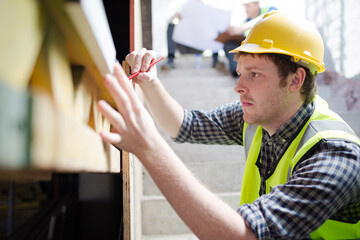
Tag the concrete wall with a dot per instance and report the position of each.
(337, 21)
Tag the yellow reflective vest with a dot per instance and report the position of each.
(323, 124)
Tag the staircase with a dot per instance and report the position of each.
(195, 85)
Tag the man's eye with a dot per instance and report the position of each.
(254, 75)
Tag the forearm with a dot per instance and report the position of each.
(134, 131)
(166, 111)
(204, 213)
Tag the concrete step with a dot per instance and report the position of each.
(219, 168)
(199, 88)
(218, 177)
(187, 62)
(158, 217)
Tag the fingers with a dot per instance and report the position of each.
(125, 98)
(125, 85)
(114, 117)
(121, 91)
(140, 60)
(112, 138)
(117, 93)
(122, 78)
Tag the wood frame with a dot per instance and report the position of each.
(61, 85)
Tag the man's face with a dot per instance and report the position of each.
(264, 101)
(252, 9)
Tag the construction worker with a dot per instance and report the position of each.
(234, 35)
(301, 178)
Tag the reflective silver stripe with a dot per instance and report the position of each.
(323, 125)
(249, 135)
(289, 173)
(316, 126)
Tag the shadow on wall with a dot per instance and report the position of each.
(348, 89)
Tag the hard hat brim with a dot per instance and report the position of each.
(254, 48)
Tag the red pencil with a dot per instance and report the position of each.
(151, 64)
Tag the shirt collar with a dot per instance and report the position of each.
(290, 129)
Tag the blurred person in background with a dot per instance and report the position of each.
(234, 35)
(174, 16)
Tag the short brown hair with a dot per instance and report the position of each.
(285, 67)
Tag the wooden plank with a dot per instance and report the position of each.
(83, 86)
(61, 143)
(14, 128)
(95, 119)
(77, 50)
(126, 176)
(89, 19)
(22, 31)
(132, 25)
(52, 72)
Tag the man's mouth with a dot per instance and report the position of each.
(246, 103)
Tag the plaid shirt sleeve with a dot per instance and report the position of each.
(220, 126)
(324, 185)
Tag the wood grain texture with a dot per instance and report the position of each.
(52, 71)
(61, 143)
(76, 48)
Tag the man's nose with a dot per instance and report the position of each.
(240, 87)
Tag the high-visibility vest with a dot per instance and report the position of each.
(323, 124)
(263, 10)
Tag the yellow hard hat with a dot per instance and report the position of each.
(277, 32)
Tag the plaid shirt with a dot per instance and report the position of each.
(326, 184)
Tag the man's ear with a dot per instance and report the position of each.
(297, 79)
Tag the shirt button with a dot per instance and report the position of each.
(270, 143)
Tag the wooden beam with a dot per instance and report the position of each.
(126, 169)
(89, 19)
(83, 88)
(52, 72)
(22, 31)
(60, 143)
(77, 49)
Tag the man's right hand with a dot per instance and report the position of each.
(140, 60)
(231, 34)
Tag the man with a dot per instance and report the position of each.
(301, 177)
(234, 35)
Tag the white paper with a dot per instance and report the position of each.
(200, 24)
